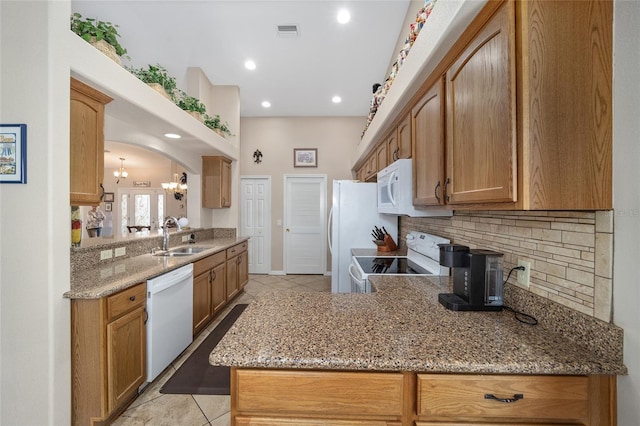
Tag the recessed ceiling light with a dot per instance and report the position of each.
(250, 65)
(172, 136)
(336, 99)
(266, 104)
(344, 16)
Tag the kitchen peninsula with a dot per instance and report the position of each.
(397, 356)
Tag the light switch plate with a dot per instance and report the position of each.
(120, 251)
(106, 254)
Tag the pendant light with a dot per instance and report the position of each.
(122, 173)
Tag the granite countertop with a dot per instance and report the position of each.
(400, 327)
(94, 283)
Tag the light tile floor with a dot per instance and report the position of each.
(153, 408)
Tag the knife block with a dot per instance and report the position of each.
(389, 244)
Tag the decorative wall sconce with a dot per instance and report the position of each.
(257, 156)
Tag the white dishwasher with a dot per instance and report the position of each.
(170, 323)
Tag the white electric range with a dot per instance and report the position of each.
(422, 259)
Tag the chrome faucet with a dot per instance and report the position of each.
(165, 231)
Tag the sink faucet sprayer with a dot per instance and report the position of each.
(165, 231)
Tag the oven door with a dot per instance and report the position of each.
(359, 281)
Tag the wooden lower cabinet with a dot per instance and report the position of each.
(208, 289)
(237, 269)
(305, 397)
(108, 354)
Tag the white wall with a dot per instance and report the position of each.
(336, 139)
(34, 217)
(626, 156)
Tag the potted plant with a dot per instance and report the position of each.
(100, 34)
(216, 124)
(192, 105)
(156, 77)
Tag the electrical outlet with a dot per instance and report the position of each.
(524, 276)
(185, 238)
(106, 254)
(120, 251)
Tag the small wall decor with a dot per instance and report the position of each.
(13, 153)
(108, 197)
(305, 157)
(257, 156)
(141, 183)
(107, 207)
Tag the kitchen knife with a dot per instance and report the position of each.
(385, 231)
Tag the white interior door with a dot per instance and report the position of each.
(305, 221)
(255, 217)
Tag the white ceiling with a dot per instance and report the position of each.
(299, 76)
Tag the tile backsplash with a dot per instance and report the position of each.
(571, 253)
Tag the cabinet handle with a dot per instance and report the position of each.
(444, 190)
(514, 398)
(101, 195)
(132, 298)
(146, 316)
(214, 276)
(436, 192)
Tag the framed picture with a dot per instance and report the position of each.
(305, 157)
(13, 153)
(107, 207)
(108, 197)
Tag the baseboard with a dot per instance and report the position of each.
(277, 273)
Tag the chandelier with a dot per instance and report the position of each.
(177, 187)
(121, 173)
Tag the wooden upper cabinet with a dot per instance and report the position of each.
(481, 116)
(381, 157)
(86, 143)
(403, 132)
(565, 104)
(216, 182)
(427, 122)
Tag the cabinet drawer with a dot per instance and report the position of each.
(126, 301)
(236, 250)
(269, 421)
(319, 393)
(209, 262)
(543, 397)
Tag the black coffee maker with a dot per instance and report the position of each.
(477, 278)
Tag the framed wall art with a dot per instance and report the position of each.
(107, 207)
(108, 197)
(13, 153)
(305, 157)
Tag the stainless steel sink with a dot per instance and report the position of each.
(181, 251)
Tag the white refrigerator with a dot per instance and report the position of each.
(354, 213)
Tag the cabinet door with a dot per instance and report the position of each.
(216, 182)
(428, 147)
(126, 357)
(218, 287)
(86, 142)
(381, 156)
(372, 167)
(226, 184)
(243, 270)
(481, 137)
(232, 278)
(202, 309)
(404, 138)
(392, 146)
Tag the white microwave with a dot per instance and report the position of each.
(395, 191)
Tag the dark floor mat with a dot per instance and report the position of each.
(196, 375)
